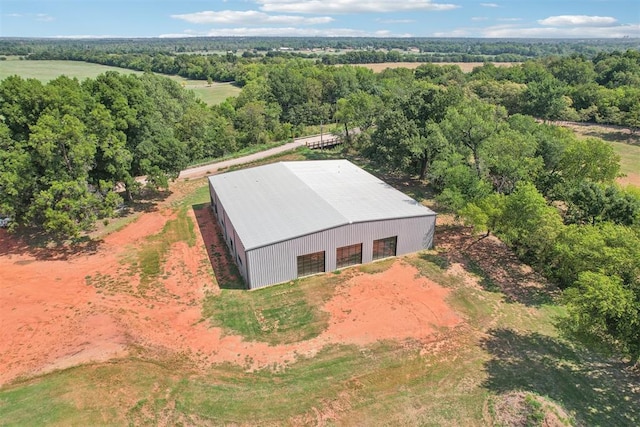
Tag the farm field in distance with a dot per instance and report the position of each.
(148, 326)
(466, 67)
(49, 70)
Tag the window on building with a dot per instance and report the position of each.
(310, 264)
(349, 255)
(385, 247)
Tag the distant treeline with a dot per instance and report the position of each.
(529, 48)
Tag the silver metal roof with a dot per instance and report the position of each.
(281, 201)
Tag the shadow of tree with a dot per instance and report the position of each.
(40, 245)
(594, 390)
(619, 136)
(497, 266)
(612, 133)
(225, 270)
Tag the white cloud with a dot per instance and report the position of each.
(460, 32)
(506, 31)
(249, 17)
(396, 21)
(479, 18)
(94, 36)
(578, 21)
(285, 32)
(352, 6)
(43, 17)
(489, 5)
(14, 15)
(509, 19)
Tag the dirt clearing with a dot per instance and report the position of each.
(89, 307)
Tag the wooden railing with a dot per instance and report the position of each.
(328, 142)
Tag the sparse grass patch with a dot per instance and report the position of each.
(431, 265)
(377, 266)
(279, 314)
(151, 256)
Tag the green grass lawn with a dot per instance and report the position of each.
(629, 157)
(49, 70)
(214, 94)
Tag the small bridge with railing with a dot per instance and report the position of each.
(329, 141)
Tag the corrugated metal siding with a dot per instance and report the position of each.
(277, 263)
(236, 249)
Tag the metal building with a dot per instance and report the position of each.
(292, 219)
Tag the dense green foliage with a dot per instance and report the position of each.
(67, 146)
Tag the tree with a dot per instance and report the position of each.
(527, 223)
(545, 99)
(21, 103)
(206, 133)
(428, 146)
(251, 123)
(600, 308)
(508, 94)
(471, 124)
(392, 140)
(484, 214)
(16, 177)
(589, 159)
(64, 209)
(457, 183)
(358, 109)
(510, 157)
(606, 248)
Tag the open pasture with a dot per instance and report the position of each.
(49, 70)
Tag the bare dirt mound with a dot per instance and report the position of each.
(91, 306)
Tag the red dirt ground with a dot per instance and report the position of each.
(52, 319)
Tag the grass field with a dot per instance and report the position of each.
(507, 346)
(49, 70)
(629, 160)
(212, 95)
(625, 143)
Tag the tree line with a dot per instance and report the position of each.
(602, 89)
(530, 48)
(66, 147)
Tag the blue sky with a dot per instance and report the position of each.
(382, 18)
